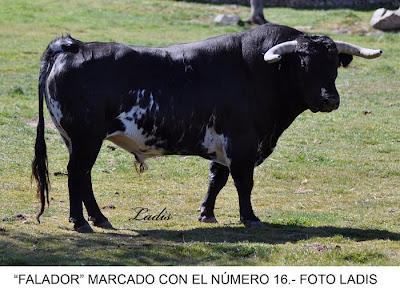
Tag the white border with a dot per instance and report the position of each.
(387, 279)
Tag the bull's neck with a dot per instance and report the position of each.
(288, 113)
(279, 113)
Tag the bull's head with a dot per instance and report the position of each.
(315, 70)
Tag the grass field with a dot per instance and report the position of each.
(329, 194)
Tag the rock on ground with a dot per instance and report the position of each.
(386, 20)
(227, 19)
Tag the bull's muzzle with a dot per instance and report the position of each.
(330, 103)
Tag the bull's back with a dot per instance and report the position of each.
(149, 101)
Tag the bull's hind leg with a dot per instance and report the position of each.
(217, 179)
(82, 158)
(92, 208)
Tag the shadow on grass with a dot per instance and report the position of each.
(203, 245)
(269, 234)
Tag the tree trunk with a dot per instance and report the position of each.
(257, 13)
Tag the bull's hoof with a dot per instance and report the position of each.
(252, 224)
(101, 222)
(208, 219)
(104, 225)
(83, 228)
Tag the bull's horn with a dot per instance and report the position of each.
(351, 49)
(275, 53)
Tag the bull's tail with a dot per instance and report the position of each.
(39, 164)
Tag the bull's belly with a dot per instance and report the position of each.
(145, 131)
(214, 148)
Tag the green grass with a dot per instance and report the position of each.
(329, 194)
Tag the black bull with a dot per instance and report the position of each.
(226, 99)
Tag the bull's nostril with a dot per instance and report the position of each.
(325, 100)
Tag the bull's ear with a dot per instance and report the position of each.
(345, 59)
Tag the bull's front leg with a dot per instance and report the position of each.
(218, 177)
(242, 173)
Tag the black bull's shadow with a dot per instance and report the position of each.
(268, 234)
(152, 247)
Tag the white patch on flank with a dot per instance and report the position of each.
(216, 143)
(152, 102)
(53, 105)
(133, 138)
